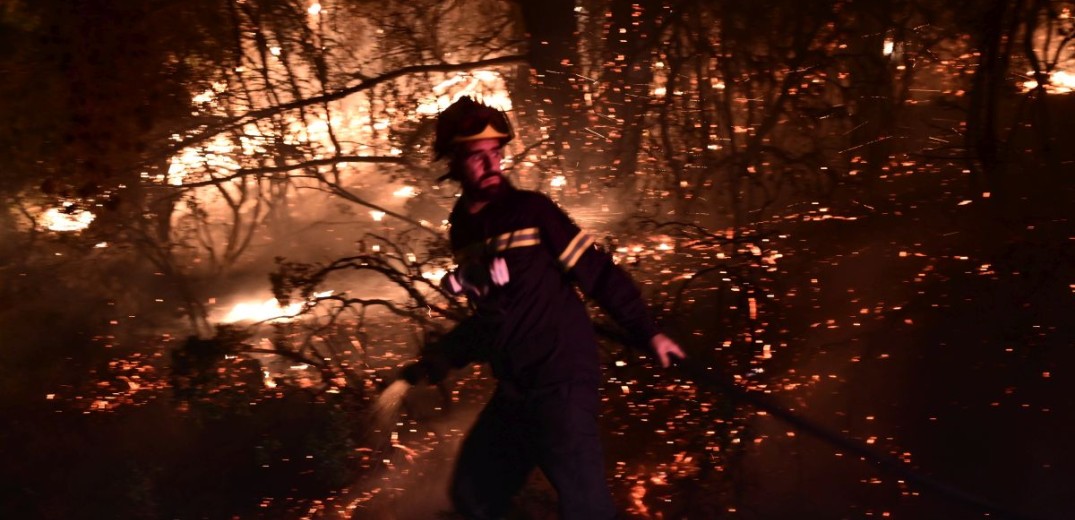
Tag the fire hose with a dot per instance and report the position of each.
(714, 380)
(707, 379)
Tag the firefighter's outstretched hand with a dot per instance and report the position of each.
(414, 373)
(665, 349)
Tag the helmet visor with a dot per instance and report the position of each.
(480, 122)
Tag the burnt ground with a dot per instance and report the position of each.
(967, 379)
(939, 333)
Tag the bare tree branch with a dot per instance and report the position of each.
(365, 84)
(244, 172)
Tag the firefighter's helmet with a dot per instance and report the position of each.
(469, 120)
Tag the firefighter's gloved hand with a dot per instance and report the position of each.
(458, 283)
(414, 373)
(498, 271)
(424, 371)
(666, 349)
(474, 280)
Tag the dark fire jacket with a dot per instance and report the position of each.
(535, 330)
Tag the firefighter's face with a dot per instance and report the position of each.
(479, 165)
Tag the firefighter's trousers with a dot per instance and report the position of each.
(553, 428)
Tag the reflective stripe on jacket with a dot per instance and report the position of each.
(543, 332)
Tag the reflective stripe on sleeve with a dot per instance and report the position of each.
(574, 250)
(518, 238)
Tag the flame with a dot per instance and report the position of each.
(405, 192)
(345, 127)
(217, 157)
(267, 379)
(486, 86)
(1060, 82)
(1061, 77)
(347, 122)
(268, 310)
(638, 493)
(435, 275)
(204, 98)
(57, 219)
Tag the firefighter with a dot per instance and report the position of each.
(519, 259)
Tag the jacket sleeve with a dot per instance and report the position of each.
(595, 273)
(470, 341)
(471, 275)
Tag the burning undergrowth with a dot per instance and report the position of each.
(337, 351)
(673, 261)
(310, 397)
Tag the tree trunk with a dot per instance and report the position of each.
(628, 74)
(998, 30)
(556, 101)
